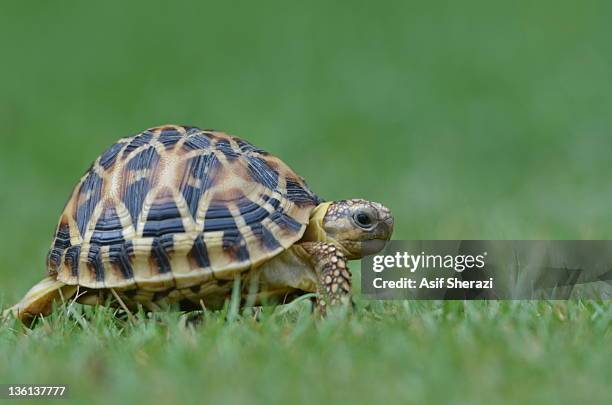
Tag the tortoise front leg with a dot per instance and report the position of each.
(333, 275)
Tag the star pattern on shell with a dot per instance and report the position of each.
(175, 206)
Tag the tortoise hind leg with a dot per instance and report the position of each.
(39, 300)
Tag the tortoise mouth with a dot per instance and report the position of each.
(371, 246)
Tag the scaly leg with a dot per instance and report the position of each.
(333, 276)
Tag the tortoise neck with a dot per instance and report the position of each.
(315, 231)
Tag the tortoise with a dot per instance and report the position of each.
(178, 215)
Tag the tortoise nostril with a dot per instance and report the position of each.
(389, 222)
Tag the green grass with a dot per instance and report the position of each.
(485, 352)
(470, 120)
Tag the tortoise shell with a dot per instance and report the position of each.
(177, 206)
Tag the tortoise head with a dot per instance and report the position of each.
(359, 227)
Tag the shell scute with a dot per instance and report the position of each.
(197, 142)
(160, 253)
(170, 136)
(108, 158)
(139, 140)
(145, 159)
(88, 197)
(163, 218)
(197, 179)
(120, 259)
(251, 211)
(261, 172)
(225, 147)
(60, 244)
(71, 260)
(199, 254)
(218, 218)
(108, 230)
(134, 195)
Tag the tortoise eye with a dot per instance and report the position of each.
(363, 220)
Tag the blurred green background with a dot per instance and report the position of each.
(472, 119)
(468, 119)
